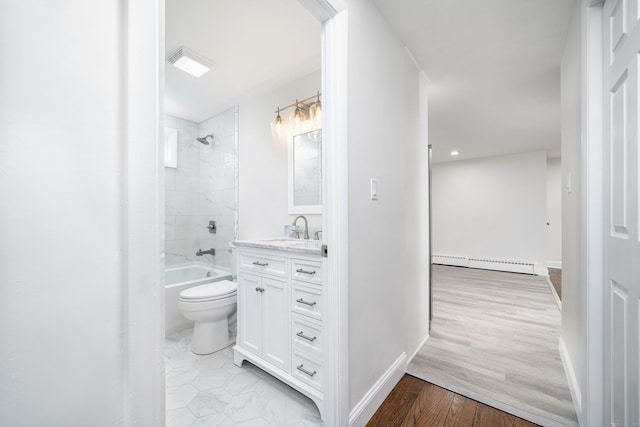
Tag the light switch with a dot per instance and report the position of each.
(374, 189)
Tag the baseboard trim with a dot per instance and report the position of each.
(369, 404)
(572, 380)
(554, 264)
(554, 293)
(424, 341)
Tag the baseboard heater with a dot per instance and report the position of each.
(486, 263)
(455, 260)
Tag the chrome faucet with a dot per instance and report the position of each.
(318, 233)
(306, 225)
(211, 251)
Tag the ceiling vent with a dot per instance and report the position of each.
(191, 62)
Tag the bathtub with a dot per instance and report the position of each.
(179, 277)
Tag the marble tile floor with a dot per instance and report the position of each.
(211, 391)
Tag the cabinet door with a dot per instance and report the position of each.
(250, 312)
(276, 323)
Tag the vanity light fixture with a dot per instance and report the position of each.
(318, 107)
(307, 115)
(278, 126)
(454, 153)
(278, 118)
(191, 62)
(297, 114)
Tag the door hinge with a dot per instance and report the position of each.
(324, 250)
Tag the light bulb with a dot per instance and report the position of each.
(297, 115)
(318, 114)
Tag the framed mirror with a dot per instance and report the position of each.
(305, 173)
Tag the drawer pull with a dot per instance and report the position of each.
(306, 272)
(261, 264)
(301, 301)
(304, 371)
(302, 335)
(260, 289)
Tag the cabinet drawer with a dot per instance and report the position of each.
(306, 335)
(306, 370)
(307, 271)
(261, 263)
(307, 300)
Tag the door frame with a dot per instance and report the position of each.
(335, 214)
(142, 210)
(589, 406)
(143, 207)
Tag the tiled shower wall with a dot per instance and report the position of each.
(202, 188)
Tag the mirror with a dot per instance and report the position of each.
(305, 173)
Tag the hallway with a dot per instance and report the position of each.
(494, 339)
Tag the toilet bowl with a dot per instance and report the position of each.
(212, 307)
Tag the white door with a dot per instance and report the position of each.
(621, 196)
(275, 323)
(250, 291)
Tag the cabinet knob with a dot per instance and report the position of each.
(260, 289)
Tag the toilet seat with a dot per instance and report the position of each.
(210, 291)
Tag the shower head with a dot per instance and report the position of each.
(203, 139)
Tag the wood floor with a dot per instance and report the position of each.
(494, 339)
(414, 402)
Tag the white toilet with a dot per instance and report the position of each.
(213, 308)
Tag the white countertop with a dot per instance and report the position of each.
(302, 246)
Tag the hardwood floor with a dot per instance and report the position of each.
(494, 339)
(414, 402)
(555, 275)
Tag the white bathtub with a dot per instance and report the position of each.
(179, 277)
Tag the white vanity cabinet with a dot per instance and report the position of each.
(281, 304)
(264, 301)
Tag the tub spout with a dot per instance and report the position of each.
(211, 251)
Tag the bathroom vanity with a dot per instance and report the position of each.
(281, 304)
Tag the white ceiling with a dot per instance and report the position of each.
(256, 44)
(494, 67)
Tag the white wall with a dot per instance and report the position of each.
(263, 162)
(572, 337)
(387, 264)
(493, 207)
(61, 222)
(554, 213)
